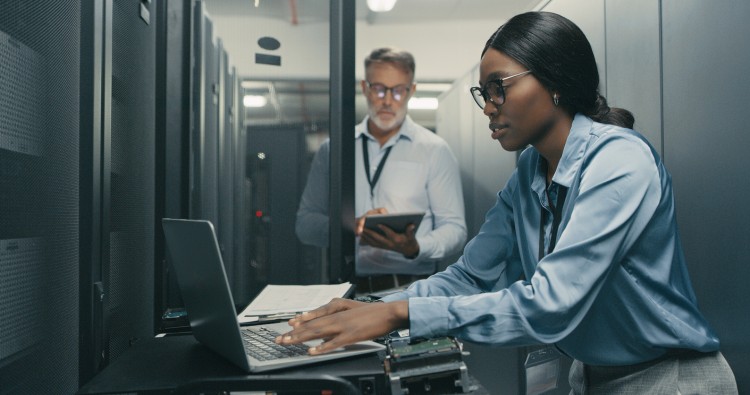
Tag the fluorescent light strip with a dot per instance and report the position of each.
(254, 101)
(381, 5)
(433, 86)
(423, 103)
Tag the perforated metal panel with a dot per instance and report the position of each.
(226, 159)
(241, 290)
(210, 133)
(130, 284)
(39, 182)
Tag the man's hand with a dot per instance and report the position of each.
(342, 322)
(360, 223)
(405, 243)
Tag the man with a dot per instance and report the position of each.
(400, 167)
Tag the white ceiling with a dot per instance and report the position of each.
(305, 100)
(405, 11)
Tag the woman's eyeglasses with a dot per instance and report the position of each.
(493, 91)
(397, 92)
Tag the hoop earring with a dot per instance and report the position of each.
(556, 99)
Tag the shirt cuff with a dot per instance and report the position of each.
(394, 297)
(425, 249)
(428, 317)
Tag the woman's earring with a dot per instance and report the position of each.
(555, 99)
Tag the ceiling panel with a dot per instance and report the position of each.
(308, 101)
(405, 11)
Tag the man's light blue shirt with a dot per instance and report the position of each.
(614, 291)
(420, 174)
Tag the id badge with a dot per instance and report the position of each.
(542, 368)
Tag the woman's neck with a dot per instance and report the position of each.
(553, 144)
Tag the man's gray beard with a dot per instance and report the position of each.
(379, 123)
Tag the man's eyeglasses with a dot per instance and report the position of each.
(493, 91)
(398, 92)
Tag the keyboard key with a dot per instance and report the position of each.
(259, 343)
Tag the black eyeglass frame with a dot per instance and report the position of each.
(386, 89)
(487, 97)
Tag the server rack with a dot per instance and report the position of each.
(241, 195)
(128, 178)
(225, 159)
(204, 138)
(174, 123)
(41, 182)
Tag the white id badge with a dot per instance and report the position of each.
(542, 368)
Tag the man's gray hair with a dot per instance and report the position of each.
(399, 58)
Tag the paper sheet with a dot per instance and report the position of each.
(284, 301)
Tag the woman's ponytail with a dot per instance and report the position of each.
(602, 113)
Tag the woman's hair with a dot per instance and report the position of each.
(398, 58)
(560, 57)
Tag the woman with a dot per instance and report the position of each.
(581, 249)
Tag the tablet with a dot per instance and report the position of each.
(396, 221)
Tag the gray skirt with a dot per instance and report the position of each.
(681, 372)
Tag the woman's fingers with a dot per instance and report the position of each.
(349, 325)
(334, 306)
(321, 328)
(318, 324)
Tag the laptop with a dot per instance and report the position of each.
(195, 256)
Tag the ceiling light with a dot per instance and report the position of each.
(380, 5)
(254, 101)
(423, 103)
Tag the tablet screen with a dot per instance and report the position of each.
(398, 222)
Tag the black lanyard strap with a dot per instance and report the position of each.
(556, 217)
(366, 156)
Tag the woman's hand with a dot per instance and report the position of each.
(342, 322)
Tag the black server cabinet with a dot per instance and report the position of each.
(204, 148)
(174, 123)
(276, 155)
(241, 292)
(225, 159)
(40, 177)
(129, 178)
(200, 165)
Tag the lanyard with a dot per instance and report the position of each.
(366, 156)
(556, 217)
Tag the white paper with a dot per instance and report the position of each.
(287, 300)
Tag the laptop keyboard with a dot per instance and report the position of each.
(259, 343)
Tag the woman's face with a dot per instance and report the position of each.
(528, 113)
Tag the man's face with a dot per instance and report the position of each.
(387, 90)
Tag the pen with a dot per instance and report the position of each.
(275, 316)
